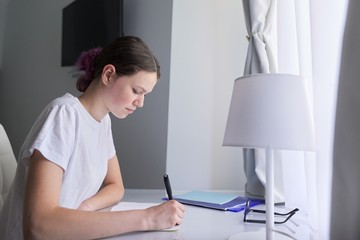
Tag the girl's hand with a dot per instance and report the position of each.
(165, 215)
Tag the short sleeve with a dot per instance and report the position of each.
(56, 131)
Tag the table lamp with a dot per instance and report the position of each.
(269, 111)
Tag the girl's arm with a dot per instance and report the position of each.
(44, 219)
(111, 192)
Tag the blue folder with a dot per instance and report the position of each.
(217, 200)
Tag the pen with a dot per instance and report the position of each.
(168, 186)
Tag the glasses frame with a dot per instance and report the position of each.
(247, 210)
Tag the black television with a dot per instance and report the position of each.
(88, 24)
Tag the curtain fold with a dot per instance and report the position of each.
(260, 18)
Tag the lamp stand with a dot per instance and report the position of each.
(269, 200)
(269, 194)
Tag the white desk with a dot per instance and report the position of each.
(206, 224)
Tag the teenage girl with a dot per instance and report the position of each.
(67, 166)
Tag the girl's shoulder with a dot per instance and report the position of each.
(65, 100)
(65, 107)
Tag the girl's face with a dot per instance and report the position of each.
(126, 93)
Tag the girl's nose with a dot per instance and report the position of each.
(139, 102)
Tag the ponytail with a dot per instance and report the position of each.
(86, 63)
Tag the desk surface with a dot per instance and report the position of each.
(201, 223)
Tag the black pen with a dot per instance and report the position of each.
(168, 186)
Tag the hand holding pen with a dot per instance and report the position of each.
(170, 196)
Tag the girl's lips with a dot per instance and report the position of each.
(130, 110)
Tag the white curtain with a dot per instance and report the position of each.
(295, 57)
(260, 18)
(308, 43)
(345, 208)
(310, 35)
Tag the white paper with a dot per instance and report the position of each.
(122, 206)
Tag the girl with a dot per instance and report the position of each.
(67, 167)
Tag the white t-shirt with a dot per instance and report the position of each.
(67, 135)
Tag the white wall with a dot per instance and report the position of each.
(208, 53)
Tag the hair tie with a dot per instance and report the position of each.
(85, 62)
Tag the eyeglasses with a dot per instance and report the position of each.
(247, 210)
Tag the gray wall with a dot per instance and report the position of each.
(31, 76)
(142, 137)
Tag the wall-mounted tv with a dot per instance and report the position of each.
(87, 24)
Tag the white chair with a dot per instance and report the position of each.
(7, 165)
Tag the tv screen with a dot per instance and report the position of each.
(89, 24)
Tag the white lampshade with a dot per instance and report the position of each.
(270, 110)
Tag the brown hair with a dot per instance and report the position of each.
(128, 54)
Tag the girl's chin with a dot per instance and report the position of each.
(120, 116)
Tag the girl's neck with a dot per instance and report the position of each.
(92, 101)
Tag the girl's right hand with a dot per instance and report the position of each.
(165, 215)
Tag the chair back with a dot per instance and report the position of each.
(7, 165)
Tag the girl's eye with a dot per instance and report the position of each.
(139, 92)
(135, 91)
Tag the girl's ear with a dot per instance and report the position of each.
(108, 71)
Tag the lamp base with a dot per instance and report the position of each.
(256, 236)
